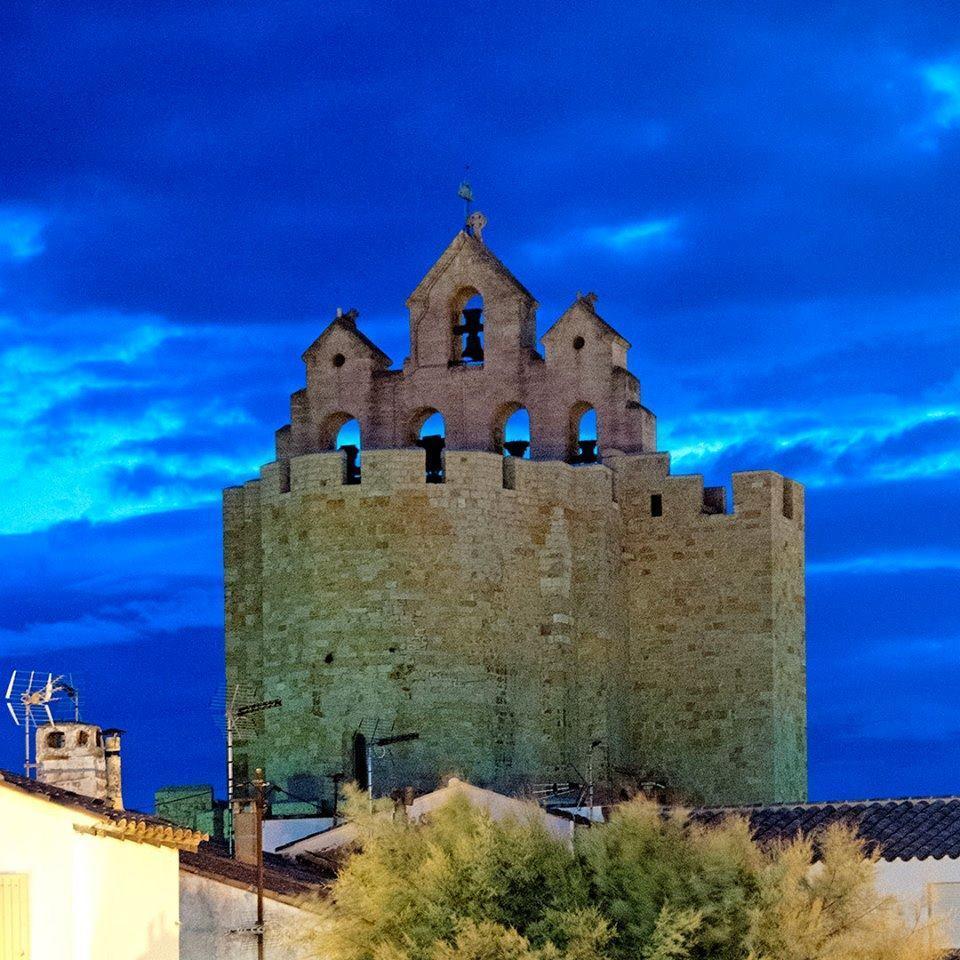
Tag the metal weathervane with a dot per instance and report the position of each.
(465, 193)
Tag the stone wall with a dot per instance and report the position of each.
(527, 618)
(716, 615)
(513, 616)
(584, 366)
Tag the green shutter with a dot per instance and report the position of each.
(14, 917)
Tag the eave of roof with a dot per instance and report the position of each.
(284, 880)
(119, 824)
(911, 828)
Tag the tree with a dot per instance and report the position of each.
(644, 886)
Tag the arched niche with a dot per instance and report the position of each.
(511, 431)
(584, 438)
(430, 432)
(348, 440)
(467, 328)
(331, 427)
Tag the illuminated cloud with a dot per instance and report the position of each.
(631, 238)
(872, 564)
(21, 234)
(118, 419)
(943, 81)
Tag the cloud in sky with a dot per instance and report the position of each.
(113, 415)
(743, 189)
(626, 239)
(943, 81)
(21, 234)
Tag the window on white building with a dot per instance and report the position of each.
(14, 917)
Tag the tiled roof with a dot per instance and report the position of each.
(282, 879)
(907, 829)
(128, 824)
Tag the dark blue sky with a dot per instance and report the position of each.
(765, 198)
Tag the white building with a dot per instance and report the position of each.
(218, 907)
(80, 880)
(499, 807)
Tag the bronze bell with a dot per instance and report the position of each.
(352, 475)
(587, 452)
(471, 327)
(433, 445)
(473, 349)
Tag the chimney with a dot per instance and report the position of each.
(71, 756)
(111, 753)
(245, 832)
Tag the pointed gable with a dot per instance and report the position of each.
(582, 313)
(342, 334)
(581, 332)
(479, 256)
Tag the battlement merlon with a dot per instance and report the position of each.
(584, 367)
(628, 481)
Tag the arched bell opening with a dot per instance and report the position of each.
(431, 433)
(512, 432)
(348, 440)
(584, 439)
(468, 329)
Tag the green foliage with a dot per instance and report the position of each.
(463, 886)
(830, 912)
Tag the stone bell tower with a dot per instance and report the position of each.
(531, 616)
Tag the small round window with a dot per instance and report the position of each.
(55, 740)
(578, 343)
(339, 360)
(83, 738)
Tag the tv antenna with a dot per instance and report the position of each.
(240, 708)
(380, 744)
(34, 698)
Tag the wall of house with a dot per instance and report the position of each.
(90, 896)
(916, 885)
(213, 914)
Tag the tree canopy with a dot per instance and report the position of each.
(644, 886)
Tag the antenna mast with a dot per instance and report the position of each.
(34, 692)
(238, 714)
(382, 742)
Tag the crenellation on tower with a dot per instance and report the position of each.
(526, 616)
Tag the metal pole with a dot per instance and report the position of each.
(259, 784)
(370, 772)
(590, 776)
(230, 837)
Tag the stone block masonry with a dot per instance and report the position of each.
(529, 618)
